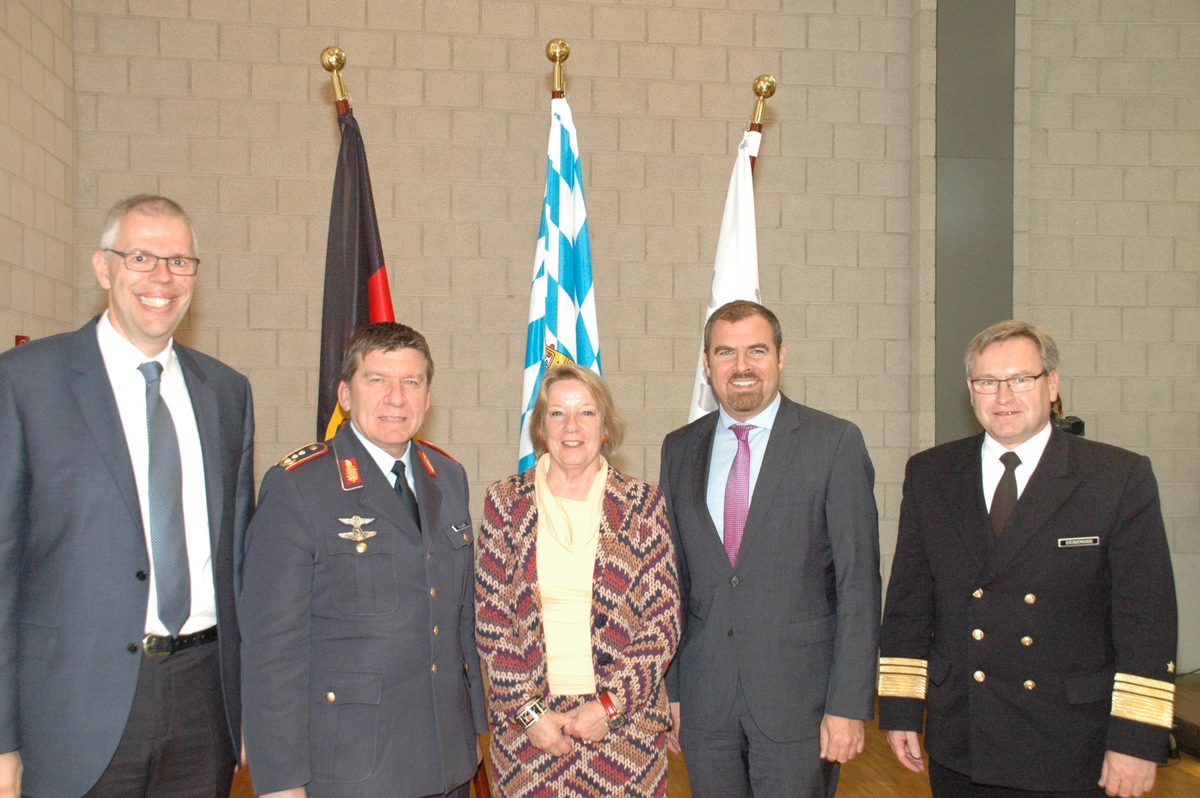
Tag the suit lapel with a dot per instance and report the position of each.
(93, 395)
(1048, 487)
(206, 409)
(429, 493)
(782, 459)
(699, 454)
(377, 498)
(962, 490)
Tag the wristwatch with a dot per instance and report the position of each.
(615, 720)
(528, 714)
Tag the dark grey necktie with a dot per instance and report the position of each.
(405, 493)
(168, 544)
(1005, 497)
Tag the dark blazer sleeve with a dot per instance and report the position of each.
(276, 617)
(14, 521)
(853, 524)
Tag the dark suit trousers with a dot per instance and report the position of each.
(176, 743)
(947, 783)
(739, 761)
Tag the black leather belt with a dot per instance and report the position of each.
(162, 646)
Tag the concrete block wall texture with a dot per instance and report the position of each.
(225, 107)
(1110, 245)
(222, 105)
(37, 167)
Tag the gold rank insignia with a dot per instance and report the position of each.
(303, 455)
(356, 533)
(902, 677)
(1170, 667)
(1143, 700)
(350, 473)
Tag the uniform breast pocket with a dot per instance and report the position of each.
(363, 575)
(344, 724)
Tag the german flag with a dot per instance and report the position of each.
(356, 283)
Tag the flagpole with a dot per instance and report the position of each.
(558, 51)
(764, 87)
(333, 59)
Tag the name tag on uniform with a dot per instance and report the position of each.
(1071, 543)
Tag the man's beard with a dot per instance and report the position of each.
(744, 401)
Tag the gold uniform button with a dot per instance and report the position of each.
(433, 667)
(433, 592)
(977, 634)
(435, 630)
(1027, 640)
(1030, 598)
(360, 548)
(979, 676)
(1029, 684)
(330, 697)
(978, 592)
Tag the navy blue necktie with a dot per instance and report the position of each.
(405, 493)
(168, 544)
(1005, 497)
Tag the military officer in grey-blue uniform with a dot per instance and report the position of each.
(361, 677)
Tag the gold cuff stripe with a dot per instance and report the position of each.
(1143, 700)
(902, 677)
(1128, 679)
(886, 663)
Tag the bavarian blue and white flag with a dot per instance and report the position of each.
(562, 302)
(735, 270)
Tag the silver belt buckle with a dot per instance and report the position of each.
(157, 645)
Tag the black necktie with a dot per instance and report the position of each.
(1005, 497)
(168, 544)
(405, 493)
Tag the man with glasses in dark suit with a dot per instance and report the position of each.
(126, 483)
(1030, 619)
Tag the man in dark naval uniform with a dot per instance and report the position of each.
(361, 677)
(1031, 611)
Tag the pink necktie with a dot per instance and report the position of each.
(737, 493)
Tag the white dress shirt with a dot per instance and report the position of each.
(121, 361)
(1030, 453)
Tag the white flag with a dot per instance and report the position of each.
(735, 271)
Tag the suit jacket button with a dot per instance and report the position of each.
(433, 592)
(1030, 598)
(330, 697)
(141, 576)
(131, 648)
(978, 592)
(731, 633)
(600, 621)
(361, 548)
(734, 581)
(433, 668)
(435, 630)
(979, 676)
(977, 634)
(1030, 684)
(1027, 640)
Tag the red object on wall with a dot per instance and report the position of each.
(21, 339)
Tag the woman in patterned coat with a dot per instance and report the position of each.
(576, 608)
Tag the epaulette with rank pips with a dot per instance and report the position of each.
(437, 449)
(302, 455)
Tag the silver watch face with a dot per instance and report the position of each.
(617, 722)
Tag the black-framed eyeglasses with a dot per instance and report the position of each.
(138, 261)
(1018, 384)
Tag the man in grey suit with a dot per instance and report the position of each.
(119, 662)
(772, 508)
(361, 674)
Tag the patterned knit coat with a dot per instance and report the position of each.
(634, 629)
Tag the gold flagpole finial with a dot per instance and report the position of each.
(333, 59)
(764, 87)
(558, 51)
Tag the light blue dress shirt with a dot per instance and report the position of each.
(723, 450)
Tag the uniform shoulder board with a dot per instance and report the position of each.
(302, 455)
(438, 449)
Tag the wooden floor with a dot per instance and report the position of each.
(877, 774)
